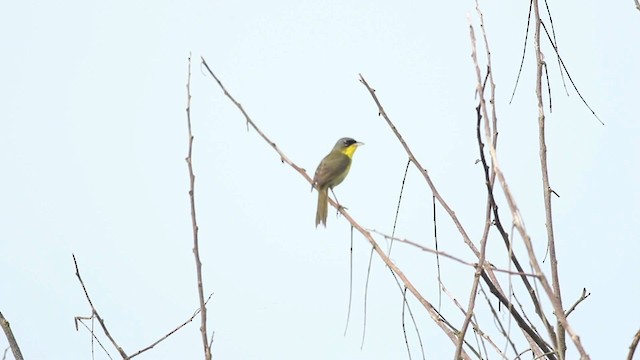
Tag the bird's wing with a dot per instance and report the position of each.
(324, 172)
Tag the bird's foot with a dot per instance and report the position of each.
(340, 207)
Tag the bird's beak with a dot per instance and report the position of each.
(358, 143)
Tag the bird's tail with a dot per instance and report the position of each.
(323, 203)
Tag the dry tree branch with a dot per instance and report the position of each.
(490, 176)
(498, 322)
(366, 296)
(94, 312)
(555, 280)
(6, 327)
(485, 236)
(476, 327)
(488, 275)
(435, 242)
(78, 319)
(636, 338)
(555, 41)
(522, 323)
(422, 170)
(505, 237)
(530, 333)
(395, 219)
(346, 325)
(404, 329)
(524, 51)
(582, 297)
(413, 320)
(194, 225)
(518, 221)
(449, 256)
(637, 4)
(283, 157)
(575, 87)
(367, 235)
(164, 337)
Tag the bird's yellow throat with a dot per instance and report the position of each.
(350, 150)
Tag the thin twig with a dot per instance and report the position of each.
(78, 319)
(524, 51)
(476, 326)
(346, 325)
(404, 329)
(582, 298)
(6, 327)
(483, 242)
(528, 330)
(498, 322)
(489, 181)
(575, 87)
(395, 219)
(449, 256)
(195, 313)
(94, 312)
(194, 225)
(435, 242)
(491, 133)
(403, 291)
(555, 279)
(481, 110)
(555, 41)
(422, 170)
(366, 295)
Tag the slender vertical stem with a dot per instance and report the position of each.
(555, 283)
(194, 225)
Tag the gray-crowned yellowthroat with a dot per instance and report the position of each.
(331, 172)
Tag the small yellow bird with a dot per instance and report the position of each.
(331, 171)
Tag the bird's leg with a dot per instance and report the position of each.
(340, 207)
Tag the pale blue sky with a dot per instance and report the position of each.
(93, 140)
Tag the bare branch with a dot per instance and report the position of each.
(346, 325)
(498, 322)
(524, 51)
(435, 242)
(395, 220)
(449, 256)
(483, 242)
(634, 342)
(422, 170)
(555, 279)
(575, 87)
(94, 312)
(582, 297)
(79, 319)
(194, 225)
(6, 327)
(195, 313)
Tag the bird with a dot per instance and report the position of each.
(331, 171)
